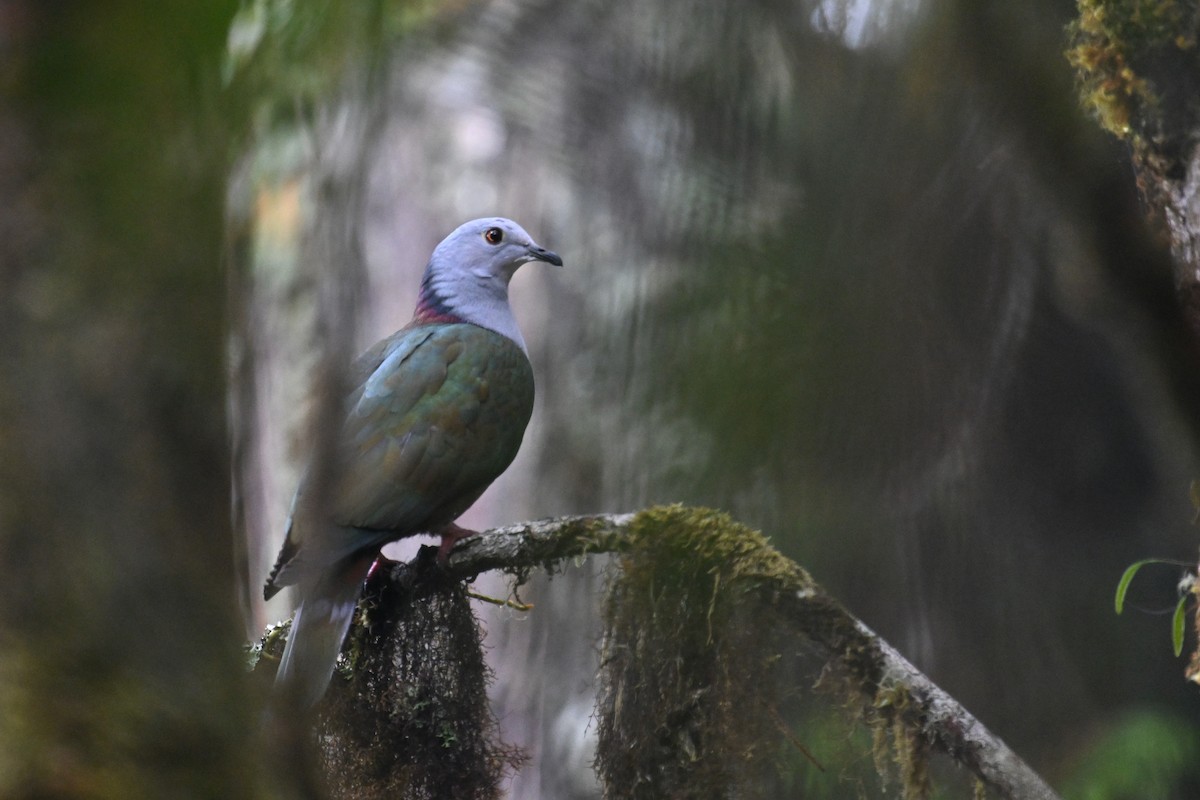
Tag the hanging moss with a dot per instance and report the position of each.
(406, 715)
(696, 630)
(899, 745)
(688, 658)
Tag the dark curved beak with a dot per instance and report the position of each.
(542, 254)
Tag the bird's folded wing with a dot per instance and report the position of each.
(431, 427)
(438, 418)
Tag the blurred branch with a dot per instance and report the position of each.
(890, 687)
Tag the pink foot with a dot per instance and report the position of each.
(451, 534)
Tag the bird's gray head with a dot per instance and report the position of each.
(468, 274)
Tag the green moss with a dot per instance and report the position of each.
(709, 541)
(690, 657)
(1134, 60)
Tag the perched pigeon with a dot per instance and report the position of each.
(437, 413)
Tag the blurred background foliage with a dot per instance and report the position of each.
(843, 268)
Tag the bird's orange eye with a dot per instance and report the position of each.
(493, 236)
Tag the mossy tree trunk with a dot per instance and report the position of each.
(1138, 70)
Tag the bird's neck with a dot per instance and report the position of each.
(431, 309)
(441, 302)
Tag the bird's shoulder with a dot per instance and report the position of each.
(422, 361)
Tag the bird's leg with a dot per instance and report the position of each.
(450, 536)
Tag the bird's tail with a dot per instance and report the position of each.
(318, 629)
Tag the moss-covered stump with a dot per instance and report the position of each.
(688, 688)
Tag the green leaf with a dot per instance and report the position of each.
(1177, 624)
(1131, 570)
(1127, 578)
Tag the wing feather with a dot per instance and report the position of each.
(438, 413)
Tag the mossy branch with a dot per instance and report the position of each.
(895, 696)
(699, 606)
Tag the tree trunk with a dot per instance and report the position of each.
(116, 610)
